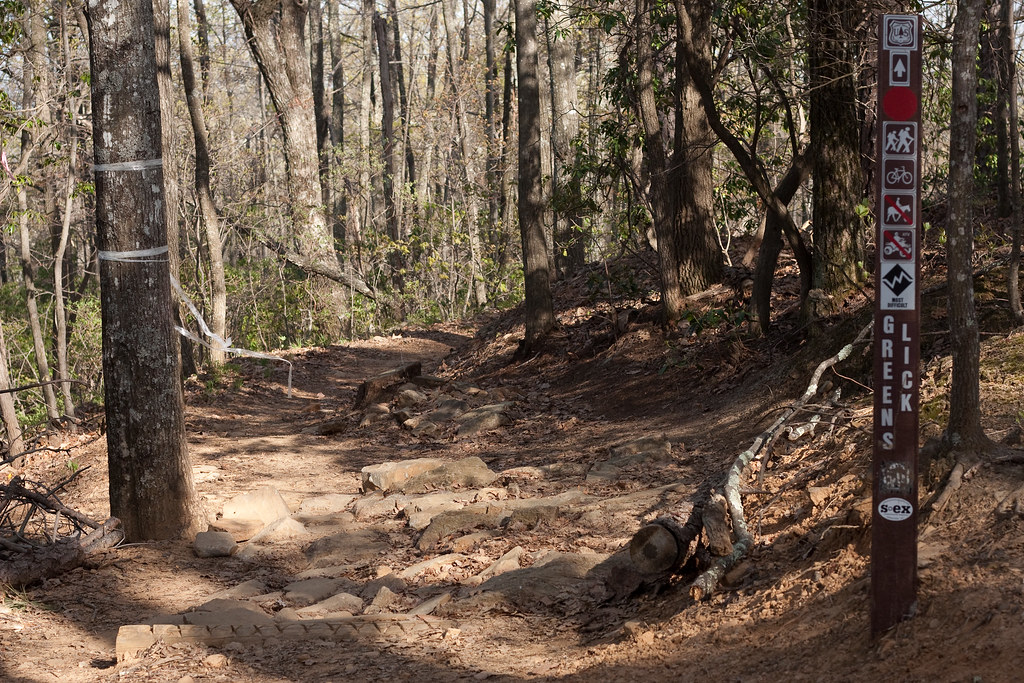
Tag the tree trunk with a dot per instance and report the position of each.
(689, 257)
(320, 109)
(204, 194)
(839, 233)
(203, 35)
(569, 240)
(34, 90)
(15, 444)
(1008, 80)
(339, 207)
(540, 317)
(964, 428)
(490, 120)
(274, 29)
(465, 150)
(151, 487)
(28, 274)
(162, 43)
(403, 99)
(59, 313)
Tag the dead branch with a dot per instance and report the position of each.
(38, 564)
(36, 385)
(706, 583)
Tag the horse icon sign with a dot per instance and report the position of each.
(898, 209)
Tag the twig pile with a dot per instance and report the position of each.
(40, 536)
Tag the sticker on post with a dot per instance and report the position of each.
(899, 138)
(899, 174)
(895, 509)
(900, 33)
(898, 209)
(899, 68)
(898, 291)
(897, 245)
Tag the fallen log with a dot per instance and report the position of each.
(372, 388)
(38, 564)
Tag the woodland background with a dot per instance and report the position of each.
(332, 169)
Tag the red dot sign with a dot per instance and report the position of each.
(899, 104)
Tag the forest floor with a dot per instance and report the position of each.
(796, 609)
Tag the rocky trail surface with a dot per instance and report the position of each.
(421, 508)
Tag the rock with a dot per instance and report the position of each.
(340, 602)
(428, 381)
(506, 563)
(385, 598)
(389, 476)
(636, 452)
(469, 472)
(426, 428)
(345, 548)
(214, 544)
(265, 505)
(376, 505)
(311, 591)
(216, 661)
(374, 414)
(240, 529)
(249, 589)
(819, 495)
(454, 521)
(331, 502)
(448, 409)
(428, 606)
(483, 419)
(430, 565)
(410, 397)
(285, 529)
(392, 582)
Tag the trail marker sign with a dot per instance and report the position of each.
(897, 323)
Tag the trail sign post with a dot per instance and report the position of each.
(897, 323)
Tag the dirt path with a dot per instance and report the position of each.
(568, 609)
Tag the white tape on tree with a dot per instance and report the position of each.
(137, 256)
(128, 166)
(216, 343)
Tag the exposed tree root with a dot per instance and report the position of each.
(655, 551)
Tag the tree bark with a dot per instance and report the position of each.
(34, 91)
(964, 428)
(321, 111)
(204, 193)
(162, 43)
(151, 487)
(688, 254)
(569, 240)
(465, 153)
(540, 317)
(839, 233)
(15, 444)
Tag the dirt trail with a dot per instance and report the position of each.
(795, 610)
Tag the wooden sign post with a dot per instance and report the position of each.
(897, 323)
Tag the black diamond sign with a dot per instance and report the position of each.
(897, 279)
